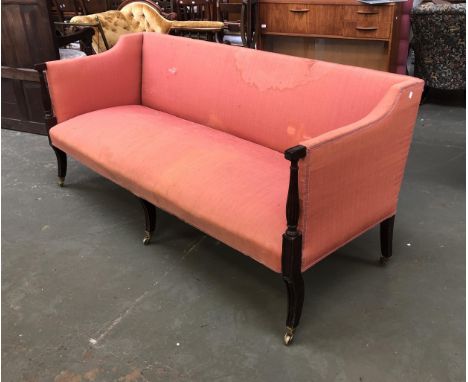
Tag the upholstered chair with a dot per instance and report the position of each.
(136, 16)
(439, 43)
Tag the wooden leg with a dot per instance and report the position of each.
(61, 165)
(150, 220)
(292, 276)
(291, 257)
(386, 238)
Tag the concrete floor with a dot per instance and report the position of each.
(84, 300)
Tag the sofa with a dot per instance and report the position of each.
(284, 159)
(138, 16)
(439, 43)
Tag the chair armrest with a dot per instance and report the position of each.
(197, 26)
(351, 177)
(112, 78)
(83, 35)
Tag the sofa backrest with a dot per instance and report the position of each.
(274, 100)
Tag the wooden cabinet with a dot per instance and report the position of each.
(27, 39)
(343, 31)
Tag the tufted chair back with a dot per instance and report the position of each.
(144, 18)
(135, 16)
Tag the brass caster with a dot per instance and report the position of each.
(147, 238)
(288, 335)
(61, 181)
(384, 260)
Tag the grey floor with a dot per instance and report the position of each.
(84, 300)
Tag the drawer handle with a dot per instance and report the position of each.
(368, 12)
(366, 28)
(303, 10)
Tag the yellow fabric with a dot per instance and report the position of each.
(135, 17)
(197, 25)
(144, 18)
(113, 23)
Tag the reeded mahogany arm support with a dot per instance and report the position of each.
(49, 116)
(292, 246)
(50, 121)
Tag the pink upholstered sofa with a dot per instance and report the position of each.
(282, 158)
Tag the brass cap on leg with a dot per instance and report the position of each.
(288, 335)
(147, 238)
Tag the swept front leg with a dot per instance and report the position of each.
(291, 260)
(150, 220)
(386, 239)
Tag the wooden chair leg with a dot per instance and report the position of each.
(150, 220)
(61, 165)
(292, 276)
(386, 238)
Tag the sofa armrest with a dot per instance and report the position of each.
(350, 178)
(96, 82)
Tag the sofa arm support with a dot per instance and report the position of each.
(86, 84)
(293, 154)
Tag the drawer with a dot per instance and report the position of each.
(373, 22)
(284, 18)
(306, 19)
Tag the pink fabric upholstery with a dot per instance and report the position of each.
(270, 99)
(96, 82)
(230, 188)
(206, 142)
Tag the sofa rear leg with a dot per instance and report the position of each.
(150, 220)
(386, 239)
(61, 165)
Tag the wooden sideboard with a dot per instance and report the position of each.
(342, 31)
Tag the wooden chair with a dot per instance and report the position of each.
(195, 10)
(166, 6)
(63, 10)
(239, 22)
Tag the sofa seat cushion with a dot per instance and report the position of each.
(233, 189)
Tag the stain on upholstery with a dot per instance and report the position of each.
(271, 76)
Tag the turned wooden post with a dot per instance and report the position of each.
(291, 260)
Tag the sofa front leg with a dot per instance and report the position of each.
(150, 220)
(386, 239)
(291, 257)
(61, 165)
(292, 276)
